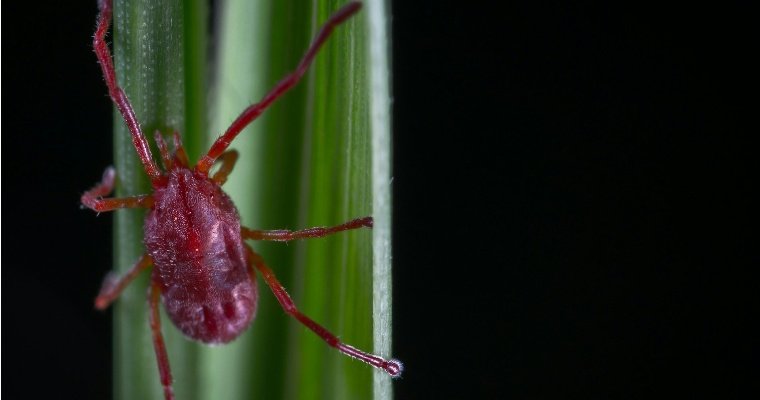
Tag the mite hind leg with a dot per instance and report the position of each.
(159, 346)
(392, 367)
(93, 198)
(283, 235)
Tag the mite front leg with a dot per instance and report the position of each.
(113, 286)
(228, 160)
(158, 342)
(283, 235)
(254, 110)
(392, 367)
(166, 158)
(93, 200)
(180, 155)
(117, 93)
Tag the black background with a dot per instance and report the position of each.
(571, 195)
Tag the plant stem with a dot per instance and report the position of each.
(378, 32)
(153, 65)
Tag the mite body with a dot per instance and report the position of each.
(203, 271)
(208, 291)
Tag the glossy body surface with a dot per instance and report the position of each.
(201, 265)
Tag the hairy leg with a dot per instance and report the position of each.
(93, 200)
(254, 110)
(166, 158)
(228, 159)
(392, 367)
(158, 342)
(113, 285)
(180, 155)
(117, 93)
(283, 235)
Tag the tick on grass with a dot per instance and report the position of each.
(203, 271)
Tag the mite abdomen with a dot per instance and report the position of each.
(215, 319)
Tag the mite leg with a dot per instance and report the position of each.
(392, 367)
(92, 198)
(179, 151)
(254, 110)
(110, 204)
(228, 159)
(166, 159)
(282, 235)
(117, 94)
(158, 342)
(113, 285)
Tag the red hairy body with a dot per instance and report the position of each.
(203, 271)
(208, 291)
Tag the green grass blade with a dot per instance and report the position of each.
(308, 161)
(336, 277)
(380, 111)
(159, 60)
(228, 372)
(380, 121)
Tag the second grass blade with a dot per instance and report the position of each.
(306, 162)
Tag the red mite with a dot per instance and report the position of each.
(203, 270)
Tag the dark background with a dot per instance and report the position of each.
(571, 200)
